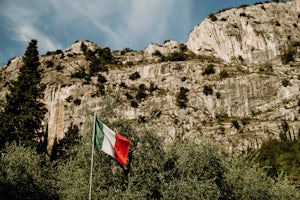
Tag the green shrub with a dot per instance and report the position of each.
(83, 47)
(59, 67)
(224, 74)
(123, 85)
(209, 70)
(80, 73)
(181, 97)
(207, 90)
(24, 175)
(141, 93)
(49, 63)
(152, 87)
(183, 48)
(288, 56)
(60, 149)
(101, 89)
(285, 82)
(134, 104)
(9, 61)
(126, 50)
(282, 156)
(157, 53)
(244, 6)
(77, 102)
(128, 96)
(134, 76)
(176, 56)
(212, 17)
(102, 79)
(235, 124)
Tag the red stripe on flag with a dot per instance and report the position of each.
(121, 149)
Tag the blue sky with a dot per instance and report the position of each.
(56, 24)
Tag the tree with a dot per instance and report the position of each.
(24, 174)
(23, 111)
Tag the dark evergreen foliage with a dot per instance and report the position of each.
(23, 111)
(209, 70)
(207, 90)
(60, 149)
(134, 76)
(141, 93)
(181, 97)
(176, 56)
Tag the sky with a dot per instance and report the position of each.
(116, 24)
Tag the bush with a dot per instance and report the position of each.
(10, 60)
(134, 104)
(126, 50)
(128, 96)
(235, 124)
(24, 175)
(176, 56)
(157, 53)
(181, 98)
(282, 155)
(77, 102)
(152, 88)
(101, 79)
(207, 90)
(224, 74)
(134, 76)
(80, 73)
(141, 93)
(209, 70)
(285, 82)
(277, 23)
(101, 89)
(59, 67)
(288, 56)
(244, 6)
(212, 17)
(60, 149)
(243, 15)
(49, 63)
(123, 85)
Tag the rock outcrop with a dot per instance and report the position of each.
(255, 34)
(168, 47)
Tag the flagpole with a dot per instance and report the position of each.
(92, 158)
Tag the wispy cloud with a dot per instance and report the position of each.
(117, 23)
(24, 20)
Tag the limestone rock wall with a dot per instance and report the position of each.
(255, 33)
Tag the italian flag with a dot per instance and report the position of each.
(111, 142)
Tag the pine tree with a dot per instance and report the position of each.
(23, 111)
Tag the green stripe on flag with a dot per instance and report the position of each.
(99, 134)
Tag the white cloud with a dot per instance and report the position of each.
(28, 32)
(115, 23)
(23, 23)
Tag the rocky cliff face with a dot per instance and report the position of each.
(255, 33)
(238, 104)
